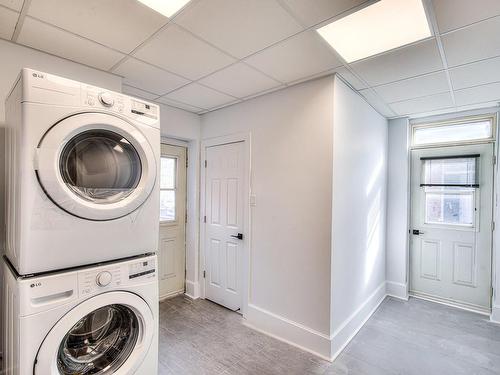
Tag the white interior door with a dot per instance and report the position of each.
(451, 233)
(224, 215)
(172, 243)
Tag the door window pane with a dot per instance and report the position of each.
(168, 184)
(167, 205)
(167, 173)
(453, 133)
(450, 171)
(448, 207)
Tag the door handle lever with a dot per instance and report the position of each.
(238, 236)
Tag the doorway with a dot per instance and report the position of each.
(225, 239)
(172, 241)
(451, 225)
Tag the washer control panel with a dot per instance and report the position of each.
(146, 269)
(97, 279)
(112, 276)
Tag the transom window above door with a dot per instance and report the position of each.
(168, 184)
(460, 131)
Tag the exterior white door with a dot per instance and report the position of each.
(451, 233)
(172, 243)
(224, 216)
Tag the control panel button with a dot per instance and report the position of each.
(106, 99)
(104, 278)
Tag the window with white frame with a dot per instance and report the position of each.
(450, 184)
(467, 130)
(168, 186)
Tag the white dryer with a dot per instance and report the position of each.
(82, 174)
(99, 320)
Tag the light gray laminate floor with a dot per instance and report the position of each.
(414, 337)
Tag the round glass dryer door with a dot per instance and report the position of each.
(96, 166)
(110, 333)
(101, 166)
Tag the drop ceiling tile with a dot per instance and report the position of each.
(200, 96)
(8, 20)
(421, 105)
(173, 103)
(119, 24)
(239, 80)
(313, 12)
(134, 91)
(425, 85)
(452, 14)
(41, 36)
(12, 4)
(351, 78)
(377, 103)
(239, 27)
(478, 73)
(295, 58)
(147, 77)
(180, 52)
(472, 43)
(405, 62)
(478, 94)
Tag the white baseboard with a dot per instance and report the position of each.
(165, 296)
(288, 331)
(495, 314)
(348, 329)
(397, 290)
(192, 289)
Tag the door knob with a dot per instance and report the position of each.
(238, 236)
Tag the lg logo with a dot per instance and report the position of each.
(34, 285)
(38, 75)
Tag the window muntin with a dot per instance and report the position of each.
(168, 185)
(100, 166)
(100, 342)
(453, 132)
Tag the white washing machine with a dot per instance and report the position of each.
(98, 320)
(82, 174)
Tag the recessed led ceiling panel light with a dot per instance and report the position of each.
(380, 27)
(166, 7)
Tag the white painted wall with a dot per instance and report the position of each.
(185, 126)
(360, 147)
(291, 141)
(397, 209)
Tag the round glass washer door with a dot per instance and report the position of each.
(96, 166)
(108, 334)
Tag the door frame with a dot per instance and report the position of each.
(177, 143)
(454, 119)
(246, 245)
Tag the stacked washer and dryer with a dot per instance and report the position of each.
(80, 292)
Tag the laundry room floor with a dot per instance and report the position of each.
(414, 337)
